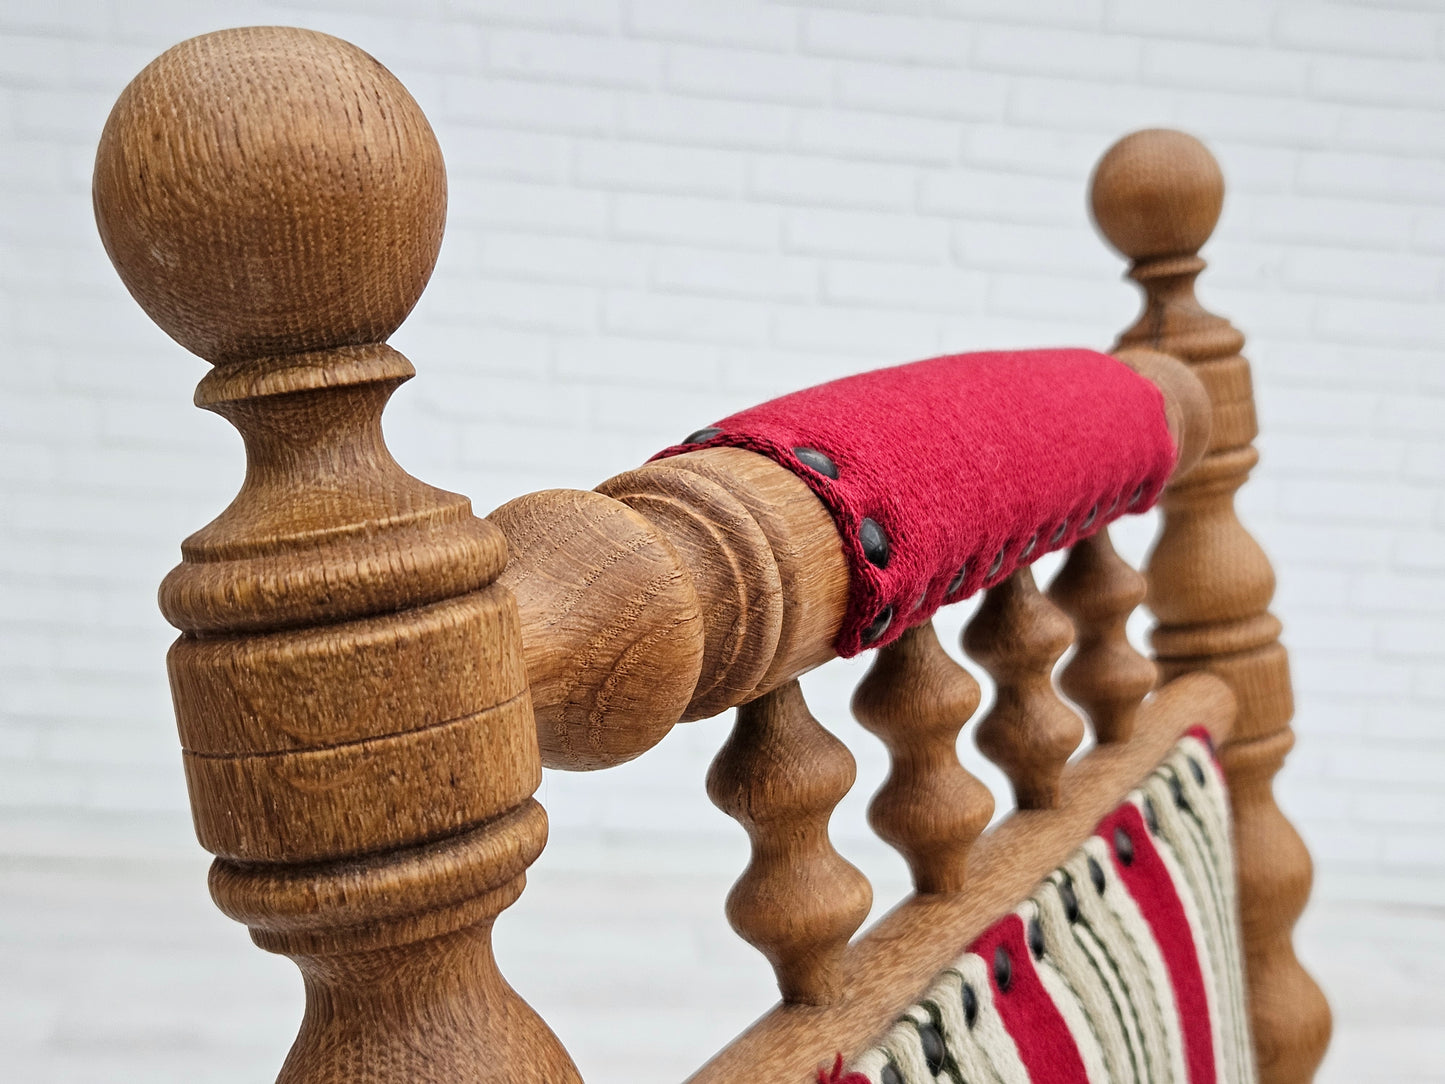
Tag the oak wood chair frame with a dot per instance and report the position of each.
(369, 678)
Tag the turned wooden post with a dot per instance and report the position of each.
(1106, 677)
(931, 808)
(349, 686)
(1017, 636)
(780, 775)
(1156, 197)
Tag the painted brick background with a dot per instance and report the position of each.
(664, 210)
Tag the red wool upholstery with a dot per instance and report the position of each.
(1046, 1046)
(971, 463)
(1148, 881)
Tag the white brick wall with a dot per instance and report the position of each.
(663, 210)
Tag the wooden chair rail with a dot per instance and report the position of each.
(889, 965)
(369, 678)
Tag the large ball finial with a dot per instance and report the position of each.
(1156, 193)
(270, 190)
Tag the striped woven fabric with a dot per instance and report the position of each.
(1124, 965)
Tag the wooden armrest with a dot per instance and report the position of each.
(705, 580)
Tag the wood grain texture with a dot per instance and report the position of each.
(812, 570)
(672, 592)
(1156, 197)
(326, 527)
(309, 688)
(780, 774)
(930, 808)
(205, 219)
(396, 955)
(733, 571)
(1105, 676)
(310, 804)
(612, 629)
(1018, 635)
(889, 965)
(349, 683)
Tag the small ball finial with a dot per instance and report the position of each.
(270, 190)
(1157, 192)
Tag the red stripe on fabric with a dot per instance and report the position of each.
(838, 1076)
(1201, 734)
(960, 459)
(1148, 881)
(1047, 1047)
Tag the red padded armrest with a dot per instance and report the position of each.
(945, 475)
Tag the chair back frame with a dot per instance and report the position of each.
(369, 678)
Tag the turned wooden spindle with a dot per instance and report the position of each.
(349, 686)
(1098, 589)
(930, 808)
(780, 775)
(1156, 197)
(1017, 636)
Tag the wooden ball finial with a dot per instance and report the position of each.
(270, 190)
(1157, 192)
